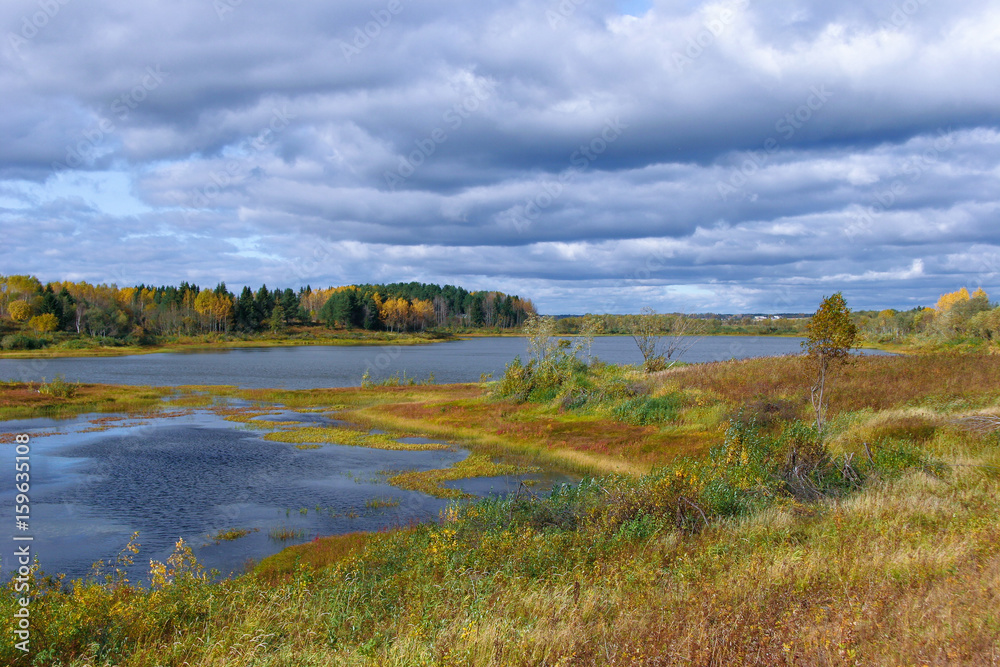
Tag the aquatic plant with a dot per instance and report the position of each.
(284, 533)
(381, 502)
(342, 436)
(230, 534)
(475, 465)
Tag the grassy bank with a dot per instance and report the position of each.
(70, 345)
(57, 399)
(728, 535)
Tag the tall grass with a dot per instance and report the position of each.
(59, 399)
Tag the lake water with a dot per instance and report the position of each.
(194, 474)
(330, 366)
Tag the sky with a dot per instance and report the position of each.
(592, 155)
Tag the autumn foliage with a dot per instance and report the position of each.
(134, 314)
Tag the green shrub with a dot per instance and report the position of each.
(891, 459)
(766, 412)
(77, 344)
(58, 387)
(517, 381)
(644, 410)
(22, 342)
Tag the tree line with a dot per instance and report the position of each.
(956, 317)
(142, 312)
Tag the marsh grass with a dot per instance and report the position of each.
(285, 533)
(475, 465)
(24, 400)
(230, 534)
(87, 347)
(905, 570)
(348, 437)
(381, 502)
(395, 380)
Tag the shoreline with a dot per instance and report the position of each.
(384, 339)
(197, 347)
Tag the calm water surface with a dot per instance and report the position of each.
(190, 476)
(327, 366)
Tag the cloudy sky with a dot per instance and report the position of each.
(593, 155)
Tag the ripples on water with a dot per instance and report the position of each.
(318, 366)
(194, 475)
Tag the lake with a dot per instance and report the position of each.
(337, 366)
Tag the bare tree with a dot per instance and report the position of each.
(662, 339)
(590, 326)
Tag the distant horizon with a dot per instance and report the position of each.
(236, 288)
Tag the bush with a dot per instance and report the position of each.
(766, 413)
(891, 460)
(536, 381)
(643, 410)
(58, 387)
(78, 344)
(22, 342)
(516, 382)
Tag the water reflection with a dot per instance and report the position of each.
(342, 366)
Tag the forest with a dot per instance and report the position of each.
(143, 314)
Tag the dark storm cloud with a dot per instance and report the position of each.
(732, 155)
